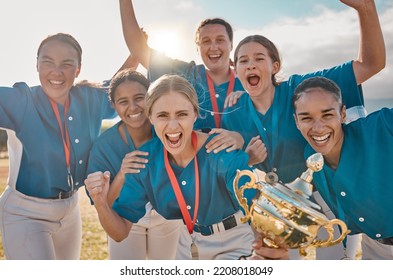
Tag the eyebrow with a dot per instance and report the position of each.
(177, 112)
(218, 36)
(140, 94)
(50, 58)
(254, 55)
(323, 111)
(120, 99)
(46, 57)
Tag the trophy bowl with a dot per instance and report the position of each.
(283, 213)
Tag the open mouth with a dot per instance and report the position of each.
(214, 57)
(56, 83)
(134, 116)
(320, 140)
(174, 139)
(253, 80)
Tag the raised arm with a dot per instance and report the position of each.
(372, 53)
(134, 37)
(131, 62)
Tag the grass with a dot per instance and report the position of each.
(94, 242)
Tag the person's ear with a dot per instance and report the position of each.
(343, 114)
(78, 71)
(276, 67)
(297, 123)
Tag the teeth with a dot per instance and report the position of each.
(173, 135)
(320, 138)
(214, 56)
(56, 82)
(134, 116)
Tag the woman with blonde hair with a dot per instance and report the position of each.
(51, 128)
(182, 181)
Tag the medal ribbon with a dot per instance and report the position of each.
(262, 131)
(128, 137)
(213, 98)
(175, 185)
(64, 135)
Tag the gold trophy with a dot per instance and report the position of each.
(283, 213)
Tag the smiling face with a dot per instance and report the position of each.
(214, 46)
(57, 65)
(319, 117)
(255, 68)
(129, 102)
(173, 117)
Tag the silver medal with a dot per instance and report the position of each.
(271, 177)
(194, 251)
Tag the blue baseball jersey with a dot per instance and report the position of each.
(108, 152)
(196, 75)
(216, 175)
(27, 111)
(284, 142)
(360, 190)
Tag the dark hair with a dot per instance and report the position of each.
(220, 21)
(317, 82)
(269, 45)
(126, 75)
(66, 38)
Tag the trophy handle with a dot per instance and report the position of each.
(239, 191)
(330, 230)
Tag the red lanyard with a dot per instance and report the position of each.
(175, 185)
(213, 98)
(66, 139)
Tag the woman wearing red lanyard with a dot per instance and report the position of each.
(266, 110)
(51, 128)
(214, 81)
(117, 151)
(182, 181)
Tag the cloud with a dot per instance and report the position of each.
(325, 40)
(187, 6)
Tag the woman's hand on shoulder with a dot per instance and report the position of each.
(225, 140)
(232, 98)
(133, 162)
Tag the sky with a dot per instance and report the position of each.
(310, 34)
